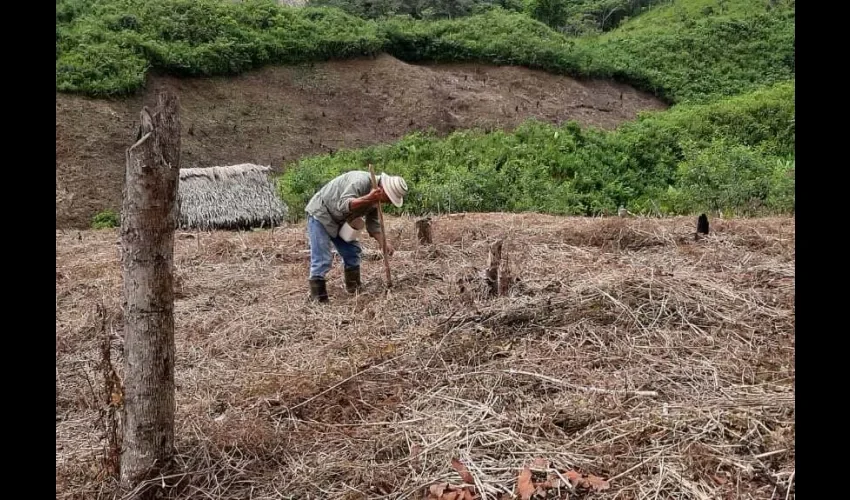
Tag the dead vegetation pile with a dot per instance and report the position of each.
(627, 361)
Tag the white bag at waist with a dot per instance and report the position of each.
(351, 230)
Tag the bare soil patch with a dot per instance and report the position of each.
(276, 115)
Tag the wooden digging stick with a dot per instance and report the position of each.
(383, 231)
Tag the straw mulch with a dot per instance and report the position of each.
(628, 361)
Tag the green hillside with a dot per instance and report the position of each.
(105, 47)
(728, 65)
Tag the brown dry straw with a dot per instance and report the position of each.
(626, 350)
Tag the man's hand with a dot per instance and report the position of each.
(375, 195)
(372, 198)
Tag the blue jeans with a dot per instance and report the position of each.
(321, 257)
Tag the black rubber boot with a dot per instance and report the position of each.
(352, 280)
(318, 290)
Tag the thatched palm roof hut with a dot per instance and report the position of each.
(232, 197)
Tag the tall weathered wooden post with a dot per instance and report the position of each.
(148, 221)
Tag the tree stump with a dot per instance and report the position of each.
(494, 259)
(504, 273)
(702, 226)
(423, 231)
(148, 221)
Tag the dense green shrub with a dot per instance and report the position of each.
(106, 46)
(417, 9)
(703, 59)
(732, 155)
(731, 177)
(108, 49)
(582, 17)
(106, 219)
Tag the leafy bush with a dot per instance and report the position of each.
(108, 49)
(416, 9)
(581, 17)
(105, 47)
(574, 17)
(677, 161)
(732, 177)
(106, 219)
(705, 58)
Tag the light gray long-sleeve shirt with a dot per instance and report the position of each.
(331, 205)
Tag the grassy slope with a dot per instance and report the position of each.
(677, 56)
(729, 146)
(105, 47)
(683, 53)
(691, 53)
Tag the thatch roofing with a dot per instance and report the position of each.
(231, 197)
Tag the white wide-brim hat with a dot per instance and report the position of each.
(395, 187)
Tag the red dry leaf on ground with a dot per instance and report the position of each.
(445, 491)
(524, 487)
(573, 476)
(463, 471)
(436, 490)
(589, 481)
(596, 483)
